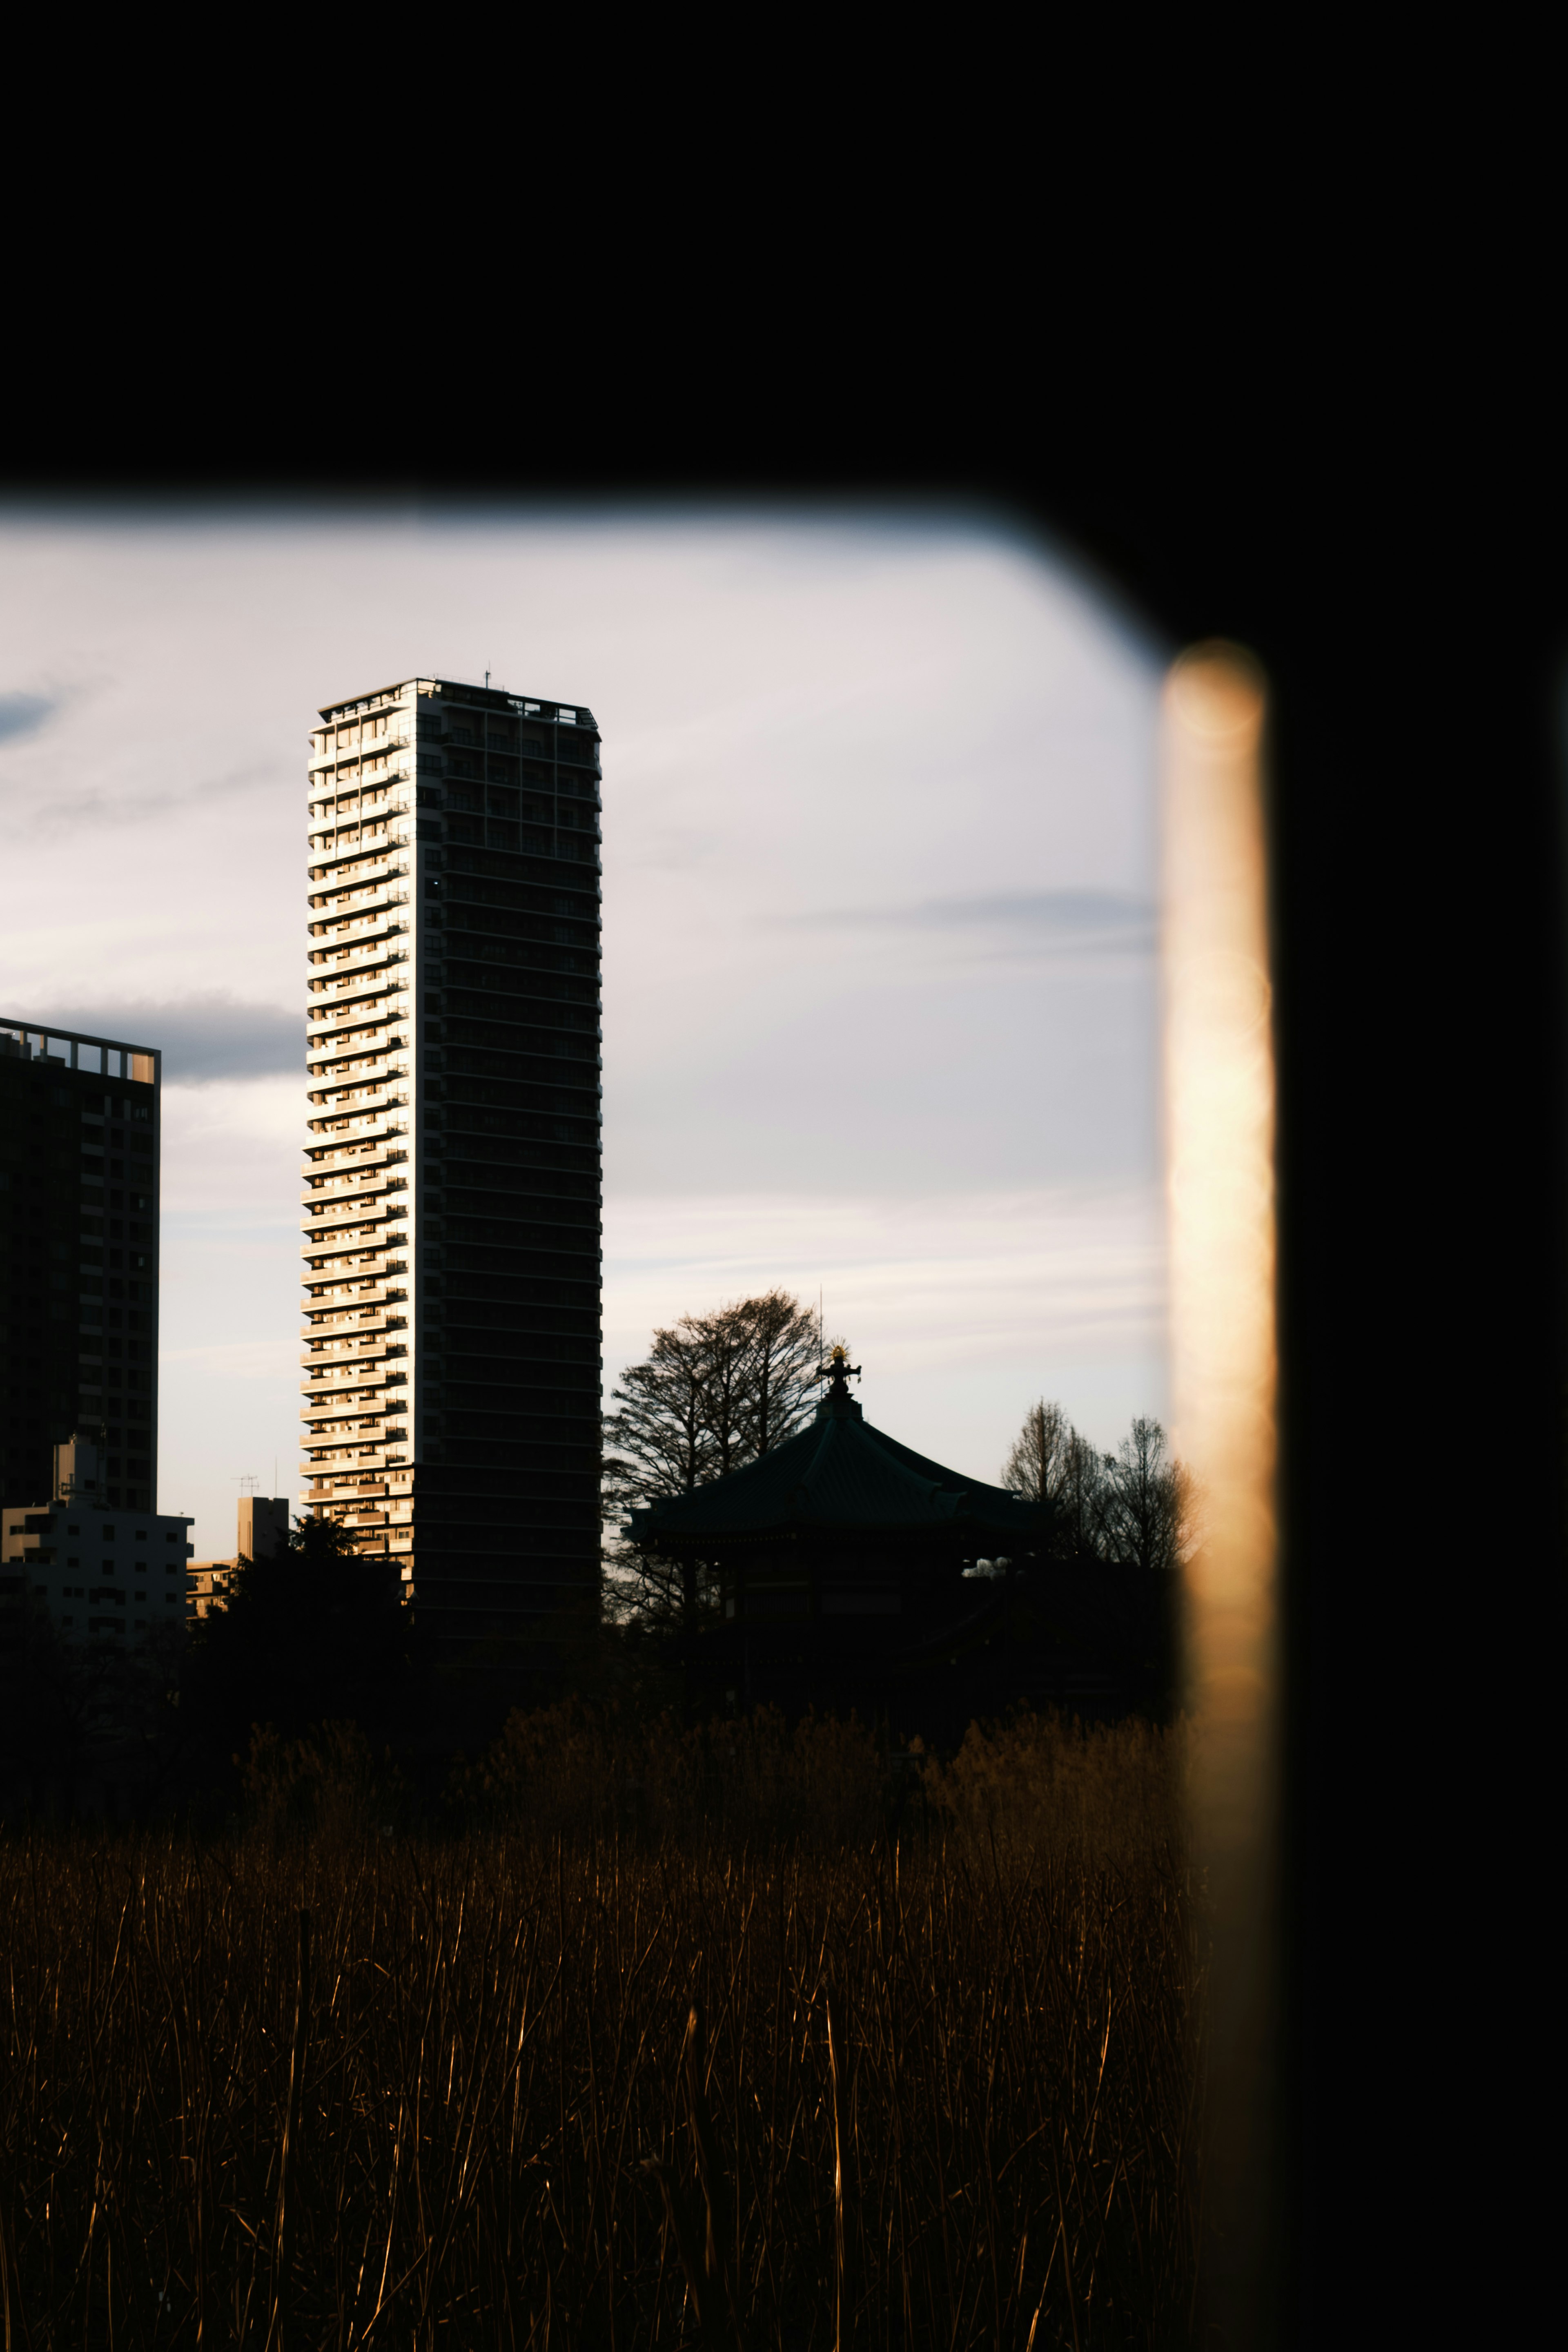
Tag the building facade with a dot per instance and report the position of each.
(261, 1534)
(102, 1572)
(79, 1156)
(452, 1203)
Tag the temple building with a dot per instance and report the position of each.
(843, 1570)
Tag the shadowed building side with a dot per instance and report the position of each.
(79, 1159)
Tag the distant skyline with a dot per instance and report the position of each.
(881, 1002)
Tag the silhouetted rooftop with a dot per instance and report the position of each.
(841, 1473)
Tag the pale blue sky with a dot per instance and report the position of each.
(880, 993)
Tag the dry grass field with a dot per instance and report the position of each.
(729, 2037)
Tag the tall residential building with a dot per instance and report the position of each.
(451, 1168)
(79, 1237)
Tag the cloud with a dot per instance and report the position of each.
(1048, 918)
(24, 714)
(963, 1306)
(202, 1038)
(128, 806)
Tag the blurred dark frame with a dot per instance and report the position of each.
(1416, 662)
(1413, 629)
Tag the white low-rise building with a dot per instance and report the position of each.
(102, 1573)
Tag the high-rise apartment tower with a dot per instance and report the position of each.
(452, 1166)
(80, 1131)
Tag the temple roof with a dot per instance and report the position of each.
(841, 1473)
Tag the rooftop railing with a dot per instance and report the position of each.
(71, 1049)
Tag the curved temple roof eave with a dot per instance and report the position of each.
(848, 1478)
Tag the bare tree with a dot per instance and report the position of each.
(1050, 1463)
(716, 1390)
(1135, 1505)
(1084, 1500)
(783, 1350)
(660, 1443)
(1037, 1464)
(722, 1341)
(1150, 1498)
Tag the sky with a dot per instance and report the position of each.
(880, 995)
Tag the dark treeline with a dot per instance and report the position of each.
(318, 1633)
(1134, 1508)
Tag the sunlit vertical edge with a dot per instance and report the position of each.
(1220, 1142)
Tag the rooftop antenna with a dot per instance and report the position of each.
(486, 678)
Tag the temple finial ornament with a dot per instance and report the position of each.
(839, 1369)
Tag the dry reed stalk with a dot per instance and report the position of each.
(543, 2090)
(841, 2320)
(277, 2330)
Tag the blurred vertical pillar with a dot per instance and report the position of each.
(1219, 1147)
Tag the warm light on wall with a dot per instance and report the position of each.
(1219, 1147)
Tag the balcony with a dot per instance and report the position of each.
(335, 1116)
(371, 989)
(329, 1057)
(374, 1299)
(352, 1202)
(374, 1131)
(357, 1228)
(346, 1086)
(324, 768)
(340, 1184)
(358, 935)
(316, 1054)
(376, 1070)
(342, 1336)
(377, 1136)
(358, 963)
(326, 1418)
(333, 1358)
(325, 1217)
(325, 918)
(325, 1056)
(328, 1422)
(343, 1341)
(336, 1183)
(327, 1022)
(323, 824)
(353, 1400)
